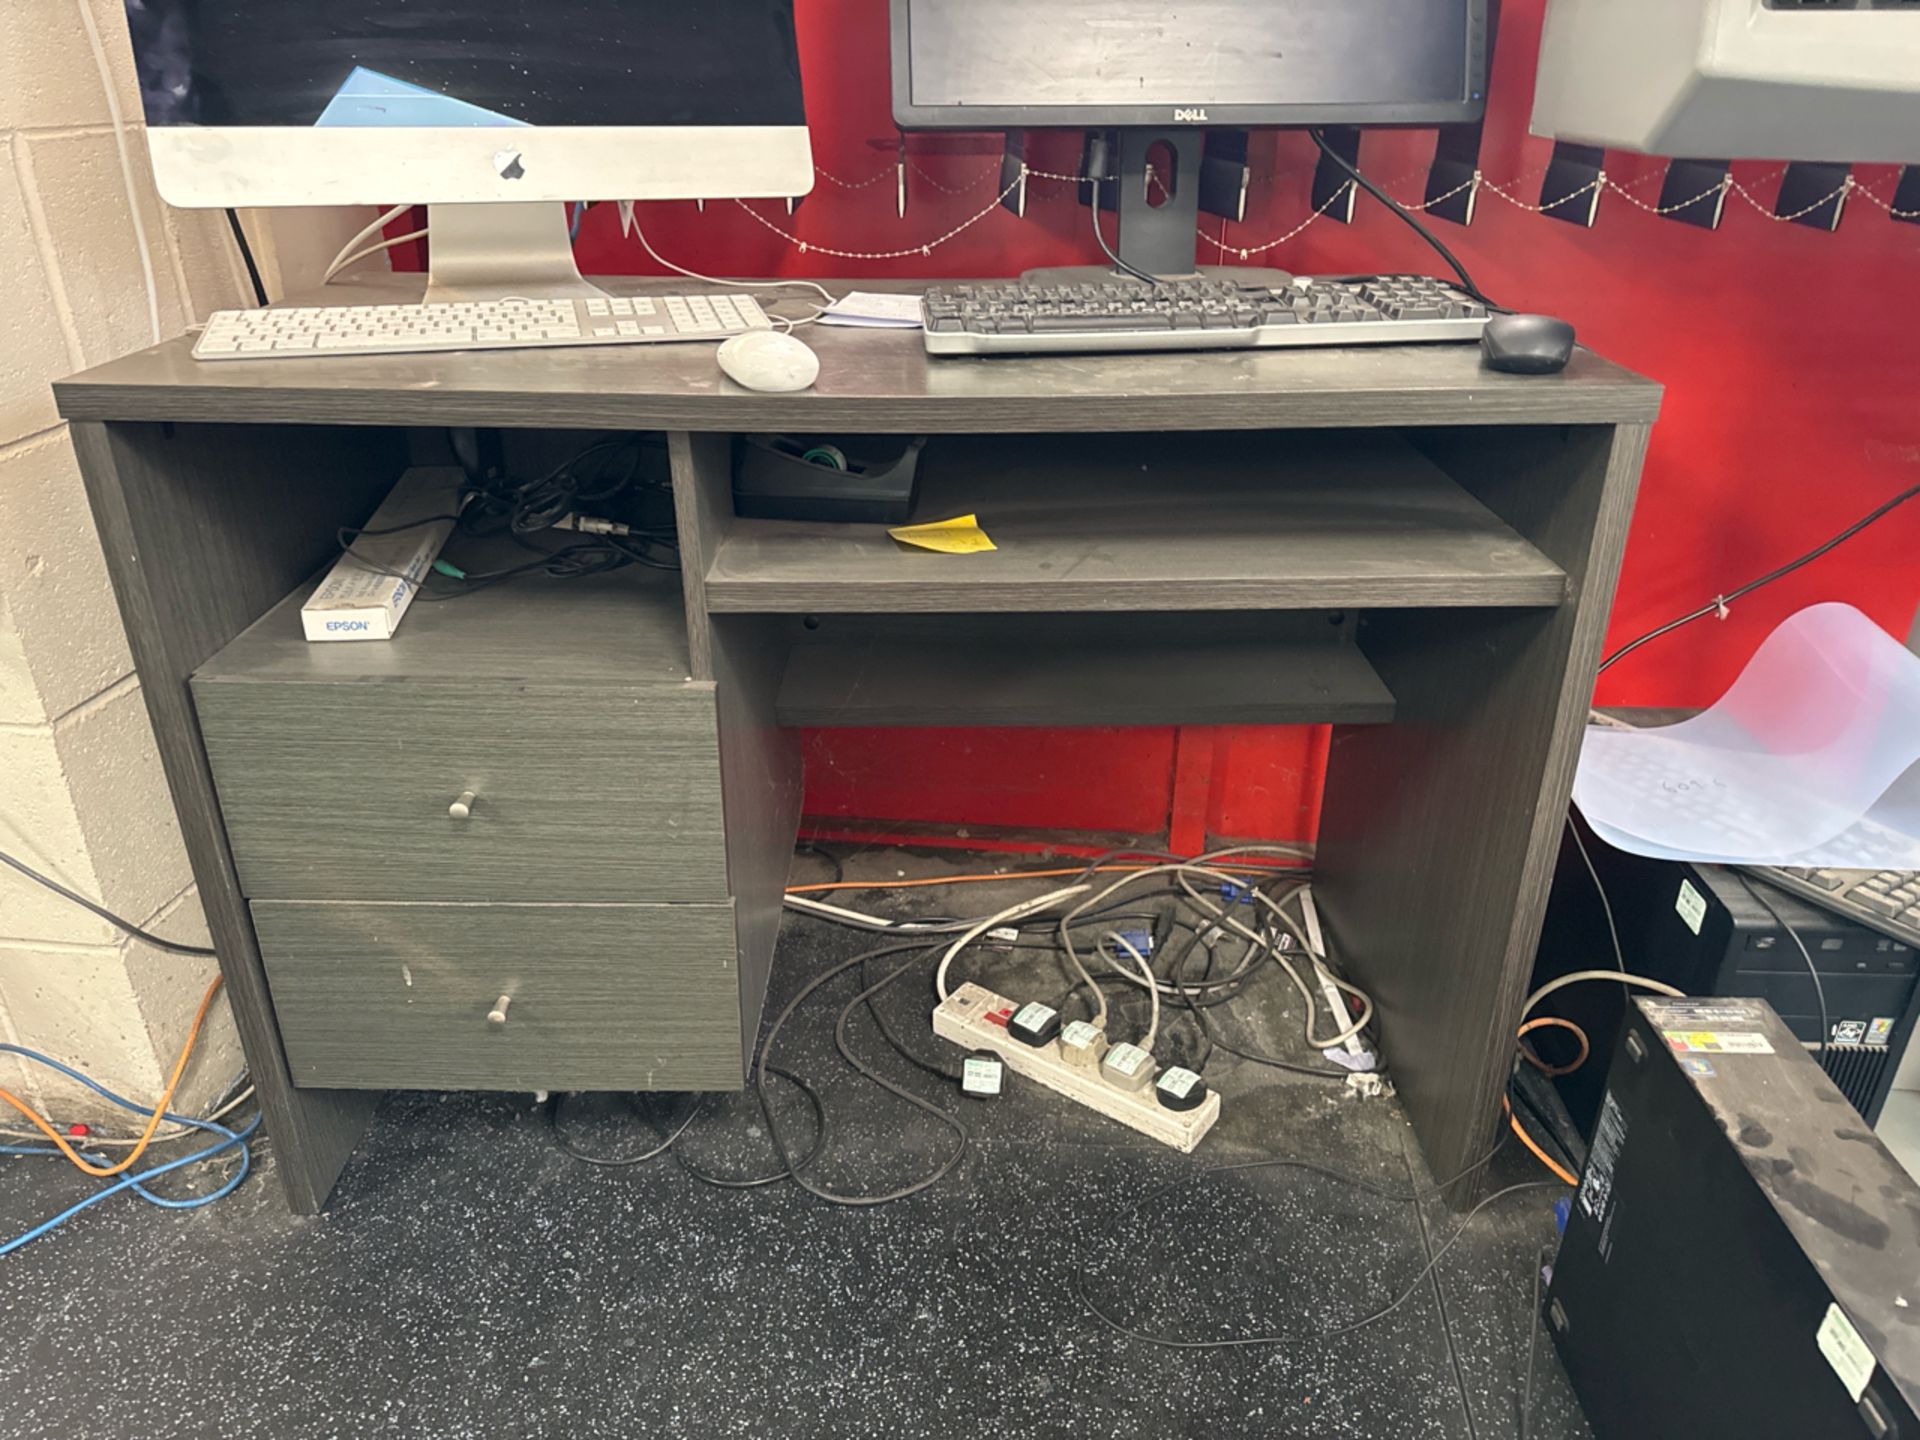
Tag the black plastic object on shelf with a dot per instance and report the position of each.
(859, 478)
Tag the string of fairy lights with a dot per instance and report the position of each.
(1010, 179)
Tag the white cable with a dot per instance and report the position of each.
(126, 163)
(647, 245)
(1012, 912)
(1153, 990)
(1099, 1021)
(346, 251)
(860, 920)
(1619, 977)
(1317, 951)
(1186, 873)
(340, 267)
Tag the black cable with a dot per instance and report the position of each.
(932, 1067)
(1467, 282)
(521, 509)
(1606, 903)
(246, 254)
(1112, 254)
(1325, 1332)
(1177, 973)
(1719, 602)
(146, 936)
(773, 1130)
(755, 1182)
(612, 1162)
(1274, 1062)
(1212, 1035)
(808, 847)
(1819, 990)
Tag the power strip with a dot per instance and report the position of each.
(975, 1018)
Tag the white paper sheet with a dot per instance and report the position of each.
(1811, 758)
(879, 312)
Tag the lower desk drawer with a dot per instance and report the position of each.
(600, 997)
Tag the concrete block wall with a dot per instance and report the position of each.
(82, 797)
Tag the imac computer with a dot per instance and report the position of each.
(1163, 74)
(491, 112)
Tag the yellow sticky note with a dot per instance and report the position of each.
(961, 535)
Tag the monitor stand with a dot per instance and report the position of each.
(1162, 239)
(498, 252)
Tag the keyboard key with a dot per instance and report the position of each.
(1070, 324)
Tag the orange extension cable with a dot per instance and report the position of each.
(1556, 1022)
(153, 1120)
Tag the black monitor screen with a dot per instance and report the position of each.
(466, 62)
(1088, 57)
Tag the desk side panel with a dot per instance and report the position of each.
(205, 528)
(760, 777)
(1439, 831)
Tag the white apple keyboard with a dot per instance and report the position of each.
(308, 331)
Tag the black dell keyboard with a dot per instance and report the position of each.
(1020, 318)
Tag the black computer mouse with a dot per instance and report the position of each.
(1527, 344)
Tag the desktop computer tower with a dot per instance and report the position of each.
(1740, 1258)
(1698, 928)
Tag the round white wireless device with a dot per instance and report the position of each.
(768, 360)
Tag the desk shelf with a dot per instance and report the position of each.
(1157, 522)
(970, 671)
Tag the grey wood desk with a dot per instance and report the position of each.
(1390, 539)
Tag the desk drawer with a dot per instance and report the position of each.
(581, 793)
(601, 997)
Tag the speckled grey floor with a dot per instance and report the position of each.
(470, 1280)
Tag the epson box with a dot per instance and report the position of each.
(366, 592)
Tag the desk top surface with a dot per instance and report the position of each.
(871, 380)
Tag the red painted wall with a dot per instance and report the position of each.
(1791, 358)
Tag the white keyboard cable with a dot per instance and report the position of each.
(825, 294)
(348, 251)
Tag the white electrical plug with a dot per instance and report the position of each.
(1127, 1067)
(1082, 1045)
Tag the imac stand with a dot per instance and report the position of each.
(498, 252)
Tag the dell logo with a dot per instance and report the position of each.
(1181, 116)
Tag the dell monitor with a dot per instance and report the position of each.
(492, 112)
(1162, 73)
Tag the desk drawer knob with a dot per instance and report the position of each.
(463, 807)
(498, 1015)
